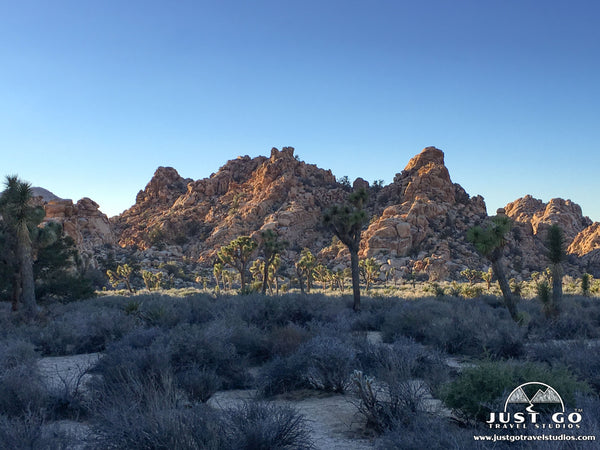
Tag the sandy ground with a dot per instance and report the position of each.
(332, 419)
(58, 370)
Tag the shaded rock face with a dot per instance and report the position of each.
(245, 196)
(86, 224)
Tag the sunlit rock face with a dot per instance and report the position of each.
(418, 221)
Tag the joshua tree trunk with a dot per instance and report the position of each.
(557, 289)
(355, 279)
(509, 300)
(16, 290)
(265, 277)
(243, 279)
(26, 268)
(299, 273)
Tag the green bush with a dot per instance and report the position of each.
(477, 389)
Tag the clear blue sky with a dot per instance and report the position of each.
(95, 95)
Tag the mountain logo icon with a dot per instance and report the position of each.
(540, 393)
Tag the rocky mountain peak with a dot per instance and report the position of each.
(429, 155)
(425, 178)
(243, 197)
(285, 153)
(420, 206)
(164, 187)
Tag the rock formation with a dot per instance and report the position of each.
(419, 221)
(86, 224)
(532, 218)
(425, 218)
(245, 196)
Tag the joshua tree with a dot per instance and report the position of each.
(322, 275)
(152, 280)
(370, 269)
(304, 269)
(585, 284)
(121, 275)
(487, 277)
(20, 220)
(218, 273)
(346, 221)
(472, 275)
(489, 242)
(555, 242)
(237, 254)
(271, 246)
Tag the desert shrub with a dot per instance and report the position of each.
(328, 363)
(581, 358)
(372, 314)
(425, 430)
(472, 291)
(22, 390)
(258, 425)
(268, 312)
(457, 327)
(250, 342)
(412, 319)
(14, 353)
(385, 403)
(30, 432)
(167, 311)
(140, 355)
(281, 375)
(159, 312)
(153, 420)
(21, 385)
(324, 362)
(473, 392)
(395, 382)
(68, 399)
(578, 319)
(286, 339)
(82, 330)
(199, 383)
(404, 360)
(208, 346)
